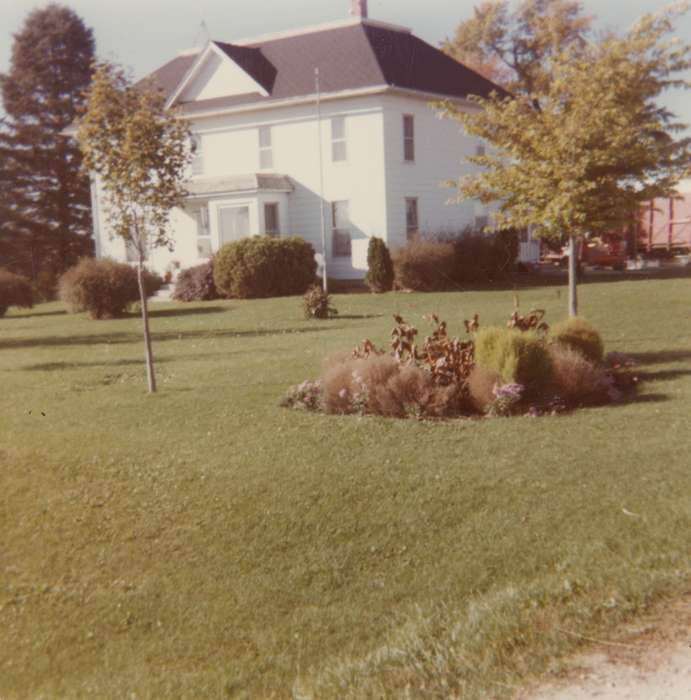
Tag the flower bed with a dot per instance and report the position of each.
(523, 368)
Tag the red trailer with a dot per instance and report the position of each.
(665, 224)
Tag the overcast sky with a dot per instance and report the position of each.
(143, 34)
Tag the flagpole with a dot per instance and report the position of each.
(321, 177)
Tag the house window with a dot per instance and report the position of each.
(197, 155)
(338, 139)
(266, 156)
(271, 219)
(480, 150)
(408, 138)
(201, 217)
(340, 222)
(411, 217)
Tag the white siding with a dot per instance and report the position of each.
(231, 147)
(440, 151)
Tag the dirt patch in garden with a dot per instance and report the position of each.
(647, 660)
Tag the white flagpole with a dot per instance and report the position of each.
(321, 177)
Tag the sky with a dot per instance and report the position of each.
(143, 34)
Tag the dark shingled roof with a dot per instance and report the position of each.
(349, 57)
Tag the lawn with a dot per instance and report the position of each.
(206, 543)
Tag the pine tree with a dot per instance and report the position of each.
(380, 275)
(45, 222)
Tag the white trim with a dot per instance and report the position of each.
(194, 69)
(343, 94)
(313, 29)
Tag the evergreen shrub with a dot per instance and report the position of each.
(263, 266)
(380, 272)
(517, 357)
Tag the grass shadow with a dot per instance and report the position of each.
(172, 313)
(125, 338)
(355, 317)
(58, 366)
(663, 375)
(659, 357)
(37, 315)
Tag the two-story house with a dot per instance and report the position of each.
(325, 132)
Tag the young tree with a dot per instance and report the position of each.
(139, 151)
(49, 200)
(581, 152)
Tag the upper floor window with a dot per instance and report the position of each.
(412, 227)
(408, 138)
(480, 150)
(271, 219)
(338, 139)
(340, 238)
(266, 156)
(197, 155)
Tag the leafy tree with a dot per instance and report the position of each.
(514, 47)
(139, 151)
(583, 150)
(47, 218)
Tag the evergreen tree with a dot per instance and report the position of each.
(45, 220)
(380, 274)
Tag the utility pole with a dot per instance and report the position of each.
(321, 177)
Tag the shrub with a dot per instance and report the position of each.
(196, 283)
(317, 303)
(481, 383)
(15, 290)
(264, 266)
(518, 357)
(579, 335)
(484, 257)
(45, 285)
(380, 272)
(425, 265)
(103, 288)
(380, 385)
(576, 379)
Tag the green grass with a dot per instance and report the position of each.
(205, 543)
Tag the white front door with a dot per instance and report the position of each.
(234, 223)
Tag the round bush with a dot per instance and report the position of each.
(15, 290)
(425, 266)
(196, 283)
(264, 266)
(104, 288)
(380, 273)
(515, 356)
(579, 335)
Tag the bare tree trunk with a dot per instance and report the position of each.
(150, 375)
(573, 274)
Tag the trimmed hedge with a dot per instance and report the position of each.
(579, 335)
(104, 288)
(263, 266)
(484, 257)
(515, 356)
(15, 290)
(380, 272)
(196, 283)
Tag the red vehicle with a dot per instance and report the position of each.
(594, 252)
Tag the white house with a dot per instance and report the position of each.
(363, 154)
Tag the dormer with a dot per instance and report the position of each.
(225, 70)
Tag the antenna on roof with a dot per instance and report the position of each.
(202, 37)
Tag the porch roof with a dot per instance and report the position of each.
(230, 184)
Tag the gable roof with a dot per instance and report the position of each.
(357, 55)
